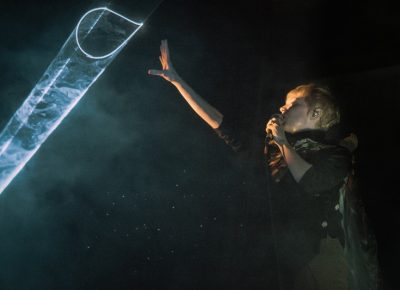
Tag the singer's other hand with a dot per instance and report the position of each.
(168, 72)
(275, 128)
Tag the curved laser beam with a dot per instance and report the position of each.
(64, 83)
(121, 45)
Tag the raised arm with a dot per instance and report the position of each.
(202, 108)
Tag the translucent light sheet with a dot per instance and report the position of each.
(99, 36)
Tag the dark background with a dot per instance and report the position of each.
(134, 191)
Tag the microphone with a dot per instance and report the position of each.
(269, 137)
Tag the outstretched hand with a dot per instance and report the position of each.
(168, 72)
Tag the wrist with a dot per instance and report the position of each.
(176, 79)
(284, 144)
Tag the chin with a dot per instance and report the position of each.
(288, 128)
(293, 130)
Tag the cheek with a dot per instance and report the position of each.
(298, 112)
(292, 115)
(295, 117)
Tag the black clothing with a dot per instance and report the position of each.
(304, 212)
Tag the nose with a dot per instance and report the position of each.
(282, 109)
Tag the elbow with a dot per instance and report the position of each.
(215, 125)
(216, 122)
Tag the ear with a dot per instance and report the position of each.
(316, 113)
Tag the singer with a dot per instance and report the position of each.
(306, 170)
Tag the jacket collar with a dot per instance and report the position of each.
(315, 135)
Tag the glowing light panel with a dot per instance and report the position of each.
(99, 36)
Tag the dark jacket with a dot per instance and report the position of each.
(303, 212)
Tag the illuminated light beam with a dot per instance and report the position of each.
(80, 62)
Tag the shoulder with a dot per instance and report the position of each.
(336, 154)
(337, 150)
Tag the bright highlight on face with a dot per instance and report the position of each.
(296, 115)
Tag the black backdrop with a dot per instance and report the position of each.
(133, 191)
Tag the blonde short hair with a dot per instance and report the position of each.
(319, 97)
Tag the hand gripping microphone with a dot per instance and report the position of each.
(269, 137)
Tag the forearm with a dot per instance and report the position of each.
(207, 112)
(296, 164)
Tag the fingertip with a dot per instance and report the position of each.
(154, 72)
